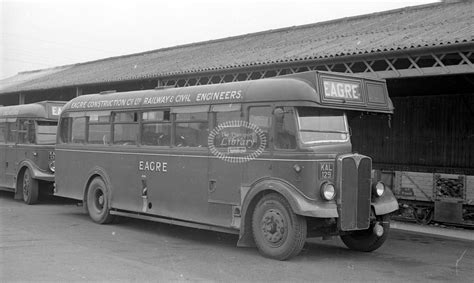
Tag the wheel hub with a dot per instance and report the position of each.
(99, 200)
(26, 185)
(273, 226)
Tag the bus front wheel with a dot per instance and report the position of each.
(278, 232)
(98, 202)
(30, 188)
(367, 240)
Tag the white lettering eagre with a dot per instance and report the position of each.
(153, 166)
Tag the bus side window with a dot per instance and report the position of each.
(99, 127)
(285, 128)
(261, 117)
(125, 128)
(11, 132)
(31, 132)
(78, 133)
(192, 129)
(221, 139)
(65, 130)
(222, 117)
(156, 128)
(26, 132)
(2, 132)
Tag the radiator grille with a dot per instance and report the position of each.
(354, 195)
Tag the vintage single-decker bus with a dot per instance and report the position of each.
(27, 139)
(270, 160)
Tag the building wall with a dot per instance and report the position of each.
(427, 133)
(9, 99)
(62, 94)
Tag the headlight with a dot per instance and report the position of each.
(52, 167)
(378, 189)
(328, 191)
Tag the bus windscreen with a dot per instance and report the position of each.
(318, 125)
(46, 132)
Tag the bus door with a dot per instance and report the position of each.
(227, 146)
(261, 164)
(174, 179)
(225, 179)
(3, 151)
(124, 138)
(235, 144)
(10, 152)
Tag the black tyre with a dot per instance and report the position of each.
(98, 202)
(30, 188)
(278, 232)
(367, 240)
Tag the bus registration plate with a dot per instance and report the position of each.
(326, 170)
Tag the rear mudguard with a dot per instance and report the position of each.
(97, 171)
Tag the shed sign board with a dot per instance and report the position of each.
(343, 90)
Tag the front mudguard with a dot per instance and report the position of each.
(36, 172)
(385, 204)
(300, 205)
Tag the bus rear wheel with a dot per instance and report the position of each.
(98, 202)
(278, 232)
(30, 188)
(367, 240)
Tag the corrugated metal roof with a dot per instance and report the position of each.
(27, 78)
(409, 28)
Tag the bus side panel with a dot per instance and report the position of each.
(225, 181)
(257, 169)
(118, 170)
(36, 154)
(3, 161)
(180, 191)
(11, 164)
(71, 174)
(121, 169)
(185, 190)
(168, 185)
(182, 188)
(305, 181)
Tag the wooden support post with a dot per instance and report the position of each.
(21, 98)
(78, 91)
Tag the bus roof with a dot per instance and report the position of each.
(323, 89)
(43, 109)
